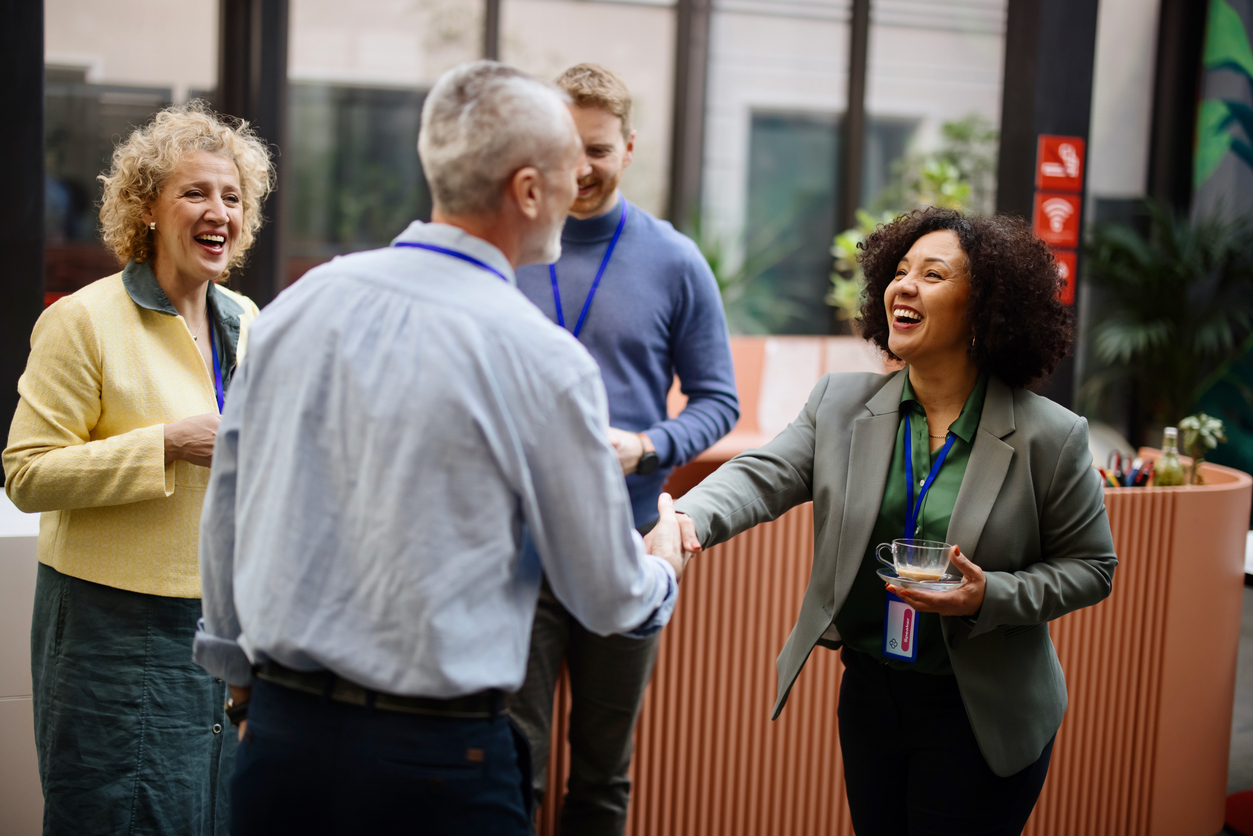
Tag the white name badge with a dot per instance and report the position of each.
(900, 630)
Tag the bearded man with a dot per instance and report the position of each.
(643, 301)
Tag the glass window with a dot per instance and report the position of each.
(634, 38)
(356, 86)
(933, 94)
(778, 82)
(109, 67)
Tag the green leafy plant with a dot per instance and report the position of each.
(1178, 315)
(847, 281)
(1201, 433)
(1226, 47)
(751, 306)
(960, 174)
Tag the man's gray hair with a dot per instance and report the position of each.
(481, 123)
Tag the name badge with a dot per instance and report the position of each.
(900, 630)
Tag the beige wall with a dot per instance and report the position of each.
(382, 42)
(151, 43)
(1122, 98)
(21, 801)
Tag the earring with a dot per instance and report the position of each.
(153, 226)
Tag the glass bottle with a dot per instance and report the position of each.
(1168, 472)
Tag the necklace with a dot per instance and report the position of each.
(196, 336)
(942, 435)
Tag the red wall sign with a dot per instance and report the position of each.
(1057, 219)
(1059, 163)
(1066, 266)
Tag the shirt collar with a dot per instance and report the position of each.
(141, 284)
(591, 230)
(455, 238)
(968, 422)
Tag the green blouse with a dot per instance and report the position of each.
(860, 620)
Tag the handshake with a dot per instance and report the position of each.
(673, 538)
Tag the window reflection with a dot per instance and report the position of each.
(356, 85)
(108, 68)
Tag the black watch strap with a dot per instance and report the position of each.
(237, 712)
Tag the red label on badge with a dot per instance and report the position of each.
(907, 630)
(1059, 163)
(1057, 219)
(1067, 263)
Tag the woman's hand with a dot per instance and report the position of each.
(965, 599)
(191, 439)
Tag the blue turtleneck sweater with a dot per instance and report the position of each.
(656, 313)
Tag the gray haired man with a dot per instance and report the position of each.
(403, 414)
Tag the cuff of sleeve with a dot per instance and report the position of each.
(223, 658)
(153, 441)
(660, 616)
(996, 590)
(701, 522)
(663, 444)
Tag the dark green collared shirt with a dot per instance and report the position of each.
(142, 286)
(860, 620)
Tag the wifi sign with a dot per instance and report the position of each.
(1057, 218)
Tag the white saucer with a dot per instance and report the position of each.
(947, 582)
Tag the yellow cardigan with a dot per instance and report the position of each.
(87, 447)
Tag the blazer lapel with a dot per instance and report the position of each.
(989, 462)
(869, 460)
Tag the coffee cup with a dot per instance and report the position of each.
(916, 560)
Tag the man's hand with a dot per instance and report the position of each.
(965, 599)
(191, 439)
(663, 541)
(629, 448)
(239, 696)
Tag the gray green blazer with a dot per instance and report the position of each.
(1030, 513)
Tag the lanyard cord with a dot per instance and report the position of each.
(912, 509)
(482, 265)
(587, 305)
(218, 389)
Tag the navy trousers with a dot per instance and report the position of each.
(311, 766)
(912, 765)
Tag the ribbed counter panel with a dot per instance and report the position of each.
(1150, 674)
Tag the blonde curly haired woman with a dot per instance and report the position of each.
(112, 440)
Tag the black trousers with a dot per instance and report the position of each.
(912, 766)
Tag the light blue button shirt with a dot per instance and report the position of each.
(400, 417)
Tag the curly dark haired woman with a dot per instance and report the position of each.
(952, 693)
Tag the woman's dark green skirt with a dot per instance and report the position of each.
(131, 734)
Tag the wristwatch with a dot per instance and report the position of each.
(237, 711)
(649, 461)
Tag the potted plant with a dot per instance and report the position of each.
(1176, 313)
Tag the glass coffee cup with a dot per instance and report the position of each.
(917, 560)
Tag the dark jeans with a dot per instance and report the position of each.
(130, 733)
(608, 677)
(912, 766)
(311, 766)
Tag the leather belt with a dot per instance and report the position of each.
(480, 706)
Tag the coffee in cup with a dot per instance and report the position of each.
(916, 560)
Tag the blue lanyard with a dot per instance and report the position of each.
(217, 372)
(912, 509)
(587, 305)
(482, 265)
